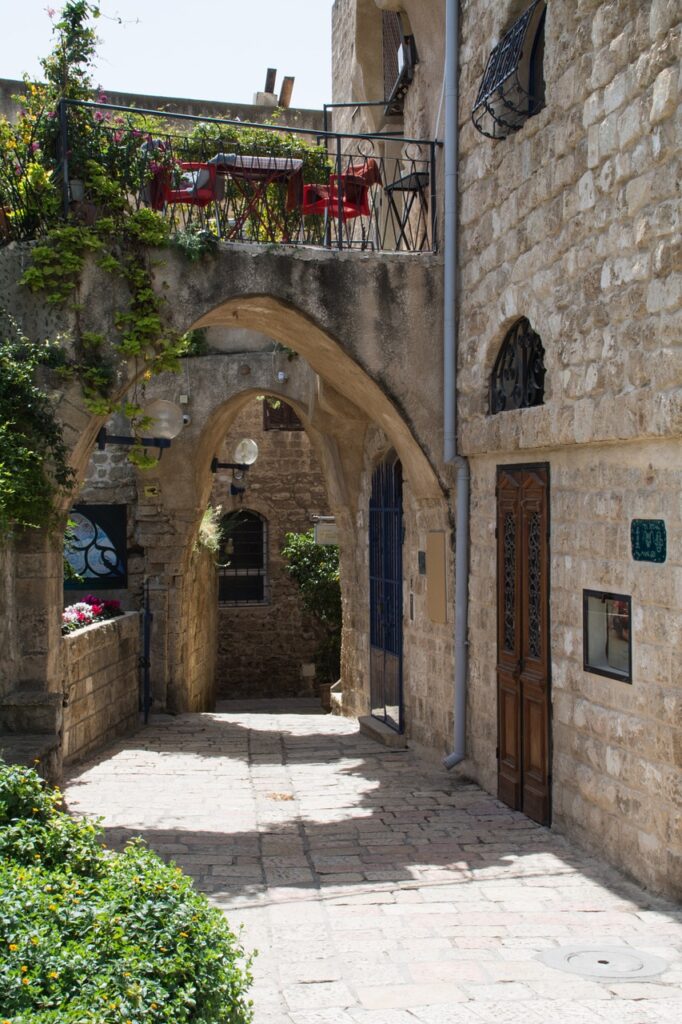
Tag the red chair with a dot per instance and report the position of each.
(324, 199)
(199, 185)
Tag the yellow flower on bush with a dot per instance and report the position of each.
(24, 968)
(53, 974)
(13, 946)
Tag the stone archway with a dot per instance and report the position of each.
(337, 427)
(361, 326)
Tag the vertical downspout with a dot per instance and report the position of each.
(450, 455)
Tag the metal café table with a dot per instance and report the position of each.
(252, 177)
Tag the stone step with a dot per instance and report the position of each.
(31, 711)
(34, 750)
(382, 733)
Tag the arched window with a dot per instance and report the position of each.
(518, 377)
(243, 559)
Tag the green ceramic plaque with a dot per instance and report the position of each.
(648, 539)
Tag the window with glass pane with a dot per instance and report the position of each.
(607, 634)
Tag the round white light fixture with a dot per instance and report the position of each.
(167, 419)
(246, 452)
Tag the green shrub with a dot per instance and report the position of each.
(93, 937)
(315, 567)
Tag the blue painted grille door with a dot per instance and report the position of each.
(386, 594)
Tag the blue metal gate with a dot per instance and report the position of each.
(386, 593)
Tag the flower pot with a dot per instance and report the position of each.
(76, 190)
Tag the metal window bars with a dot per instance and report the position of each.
(512, 87)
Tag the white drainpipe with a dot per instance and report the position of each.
(450, 454)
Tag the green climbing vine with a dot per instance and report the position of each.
(33, 458)
(113, 156)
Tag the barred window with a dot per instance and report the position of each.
(242, 575)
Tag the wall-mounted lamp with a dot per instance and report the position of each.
(167, 422)
(245, 455)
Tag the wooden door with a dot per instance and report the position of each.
(523, 666)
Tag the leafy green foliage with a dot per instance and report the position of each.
(33, 457)
(92, 937)
(195, 243)
(315, 567)
(210, 533)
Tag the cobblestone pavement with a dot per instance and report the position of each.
(377, 888)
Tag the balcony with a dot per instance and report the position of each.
(227, 180)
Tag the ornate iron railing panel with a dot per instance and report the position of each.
(239, 182)
(95, 547)
(518, 377)
(512, 89)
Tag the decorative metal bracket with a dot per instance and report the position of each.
(241, 466)
(103, 439)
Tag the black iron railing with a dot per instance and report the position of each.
(240, 182)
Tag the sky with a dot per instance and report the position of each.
(199, 49)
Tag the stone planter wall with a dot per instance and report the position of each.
(101, 684)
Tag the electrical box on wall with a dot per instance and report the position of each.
(436, 577)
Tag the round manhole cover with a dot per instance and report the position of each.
(608, 962)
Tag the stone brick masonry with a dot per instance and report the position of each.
(263, 648)
(101, 684)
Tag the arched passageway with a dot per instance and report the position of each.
(344, 395)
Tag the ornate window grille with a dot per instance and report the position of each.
(518, 377)
(513, 87)
(242, 575)
(95, 547)
(400, 57)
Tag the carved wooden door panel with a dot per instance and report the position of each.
(523, 676)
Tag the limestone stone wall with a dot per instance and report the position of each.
(8, 626)
(427, 644)
(617, 747)
(101, 684)
(199, 626)
(268, 650)
(296, 116)
(572, 222)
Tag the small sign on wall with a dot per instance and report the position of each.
(648, 540)
(326, 532)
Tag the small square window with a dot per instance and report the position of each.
(280, 416)
(607, 634)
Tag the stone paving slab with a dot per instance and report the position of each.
(377, 888)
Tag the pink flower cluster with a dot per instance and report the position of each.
(90, 609)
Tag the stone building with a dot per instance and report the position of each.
(496, 414)
(569, 372)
